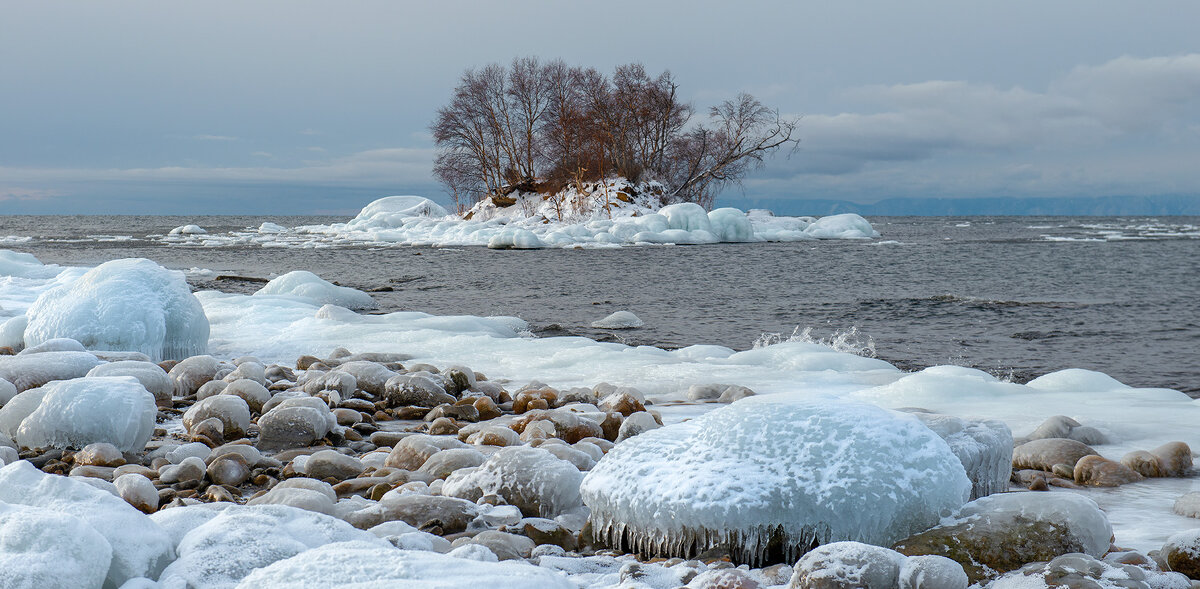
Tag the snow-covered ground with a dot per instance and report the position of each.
(282, 327)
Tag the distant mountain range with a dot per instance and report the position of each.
(1102, 206)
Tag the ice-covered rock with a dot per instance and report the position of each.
(1005, 531)
(188, 230)
(313, 288)
(8, 390)
(843, 226)
(232, 410)
(75, 413)
(45, 549)
(363, 565)
(138, 491)
(848, 565)
(294, 423)
(619, 320)
(139, 547)
(35, 370)
(1081, 570)
(151, 376)
(984, 446)
(532, 479)
(226, 546)
(767, 477)
(395, 211)
(126, 305)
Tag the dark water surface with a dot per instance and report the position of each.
(1016, 296)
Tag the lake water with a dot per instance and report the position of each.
(1016, 296)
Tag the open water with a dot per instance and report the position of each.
(1016, 296)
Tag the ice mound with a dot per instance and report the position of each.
(358, 565)
(226, 545)
(309, 286)
(44, 549)
(153, 377)
(74, 413)
(769, 478)
(188, 230)
(22, 265)
(139, 547)
(619, 320)
(269, 227)
(124, 305)
(844, 226)
(395, 211)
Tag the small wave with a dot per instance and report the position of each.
(850, 340)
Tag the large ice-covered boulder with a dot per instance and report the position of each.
(29, 371)
(843, 226)
(153, 377)
(139, 548)
(74, 413)
(309, 286)
(125, 305)
(360, 564)
(537, 482)
(770, 478)
(44, 549)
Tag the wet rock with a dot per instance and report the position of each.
(1003, 532)
(253, 393)
(578, 458)
(293, 426)
(1061, 426)
(443, 426)
(190, 469)
(528, 400)
(248, 369)
(192, 372)
(635, 424)
(333, 464)
(931, 572)
(626, 402)
(233, 412)
(492, 435)
(418, 389)
(347, 417)
(547, 531)
(457, 412)
(504, 545)
(1097, 471)
(734, 393)
(1175, 457)
(450, 514)
(210, 432)
(229, 469)
(100, 454)
(723, 579)
(1182, 553)
(444, 462)
(1083, 571)
(1047, 453)
(486, 408)
(411, 452)
(137, 491)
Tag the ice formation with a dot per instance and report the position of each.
(619, 320)
(188, 230)
(74, 413)
(127, 305)
(603, 221)
(770, 478)
(34, 370)
(44, 549)
(313, 288)
(359, 565)
(139, 547)
(226, 545)
(984, 446)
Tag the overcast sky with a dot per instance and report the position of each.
(296, 107)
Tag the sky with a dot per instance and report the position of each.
(300, 107)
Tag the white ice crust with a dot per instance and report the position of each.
(126, 305)
(359, 565)
(312, 288)
(821, 471)
(139, 547)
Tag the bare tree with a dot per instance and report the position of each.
(535, 126)
(742, 134)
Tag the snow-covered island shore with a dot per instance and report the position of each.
(613, 213)
(157, 438)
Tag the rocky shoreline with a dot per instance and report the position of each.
(444, 461)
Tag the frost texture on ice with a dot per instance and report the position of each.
(153, 377)
(139, 547)
(48, 550)
(310, 287)
(768, 475)
(34, 370)
(123, 305)
(619, 320)
(358, 565)
(537, 482)
(984, 446)
(226, 546)
(74, 413)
